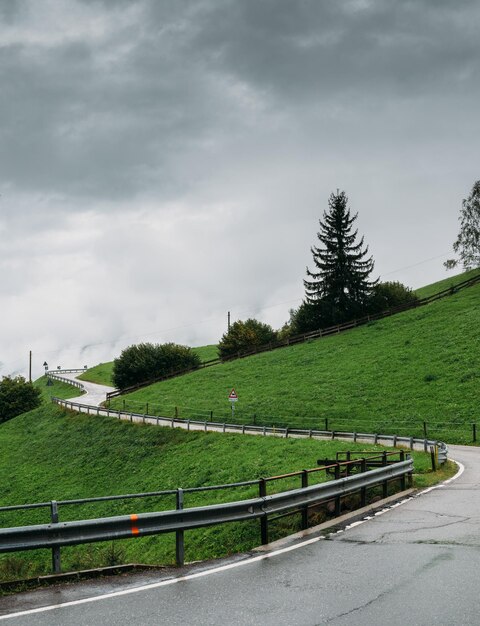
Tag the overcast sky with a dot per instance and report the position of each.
(165, 161)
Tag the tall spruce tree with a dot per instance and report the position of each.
(340, 288)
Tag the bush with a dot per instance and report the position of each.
(146, 361)
(310, 317)
(243, 336)
(390, 294)
(17, 396)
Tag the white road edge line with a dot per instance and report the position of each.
(223, 568)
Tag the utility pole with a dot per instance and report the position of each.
(228, 321)
(30, 367)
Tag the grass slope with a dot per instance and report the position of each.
(446, 283)
(388, 376)
(53, 454)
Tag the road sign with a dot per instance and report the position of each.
(233, 396)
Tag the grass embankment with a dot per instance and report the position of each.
(446, 283)
(389, 376)
(102, 373)
(53, 454)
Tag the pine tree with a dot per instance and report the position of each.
(467, 244)
(340, 288)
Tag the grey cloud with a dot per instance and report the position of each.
(122, 114)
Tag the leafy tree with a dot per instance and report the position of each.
(17, 396)
(467, 244)
(146, 361)
(340, 288)
(308, 317)
(390, 294)
(244, 336)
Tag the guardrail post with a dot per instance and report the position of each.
(56, 563)
(305, 508)
(363, 490)
(337, 498)
(403, 482)
(179, 534)
(262, 492)
(385, 482)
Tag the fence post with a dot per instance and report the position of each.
(56, 563)
(305, 508)
(262, 492)
(211, 416)
(179, 534)
(425, 435)
(474, 429)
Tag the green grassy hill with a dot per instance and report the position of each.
(388, 376)
(50, 454)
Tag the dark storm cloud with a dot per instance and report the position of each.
(118, 113)
(306, 49)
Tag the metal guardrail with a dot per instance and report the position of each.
(67, 381)
(55, 535)
(224, 427)
(66, 371)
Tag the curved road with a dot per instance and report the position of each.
(416, 563)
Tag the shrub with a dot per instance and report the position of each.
(390, 294)
(146, 361)
(243, 336)
(17, 396)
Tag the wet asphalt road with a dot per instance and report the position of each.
(95, 394)
(418, 563)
